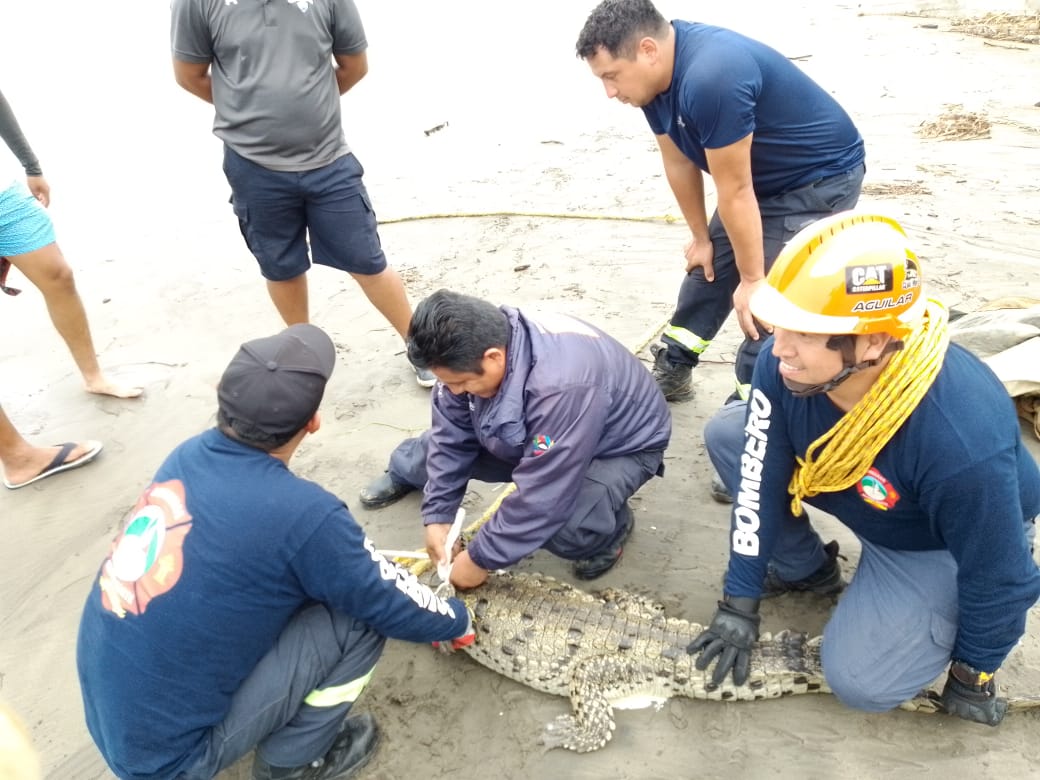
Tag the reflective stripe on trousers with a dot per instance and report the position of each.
(339, 694)
(688, 339)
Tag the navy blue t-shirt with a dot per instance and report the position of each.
(221, 551)
(955, 476)
(725, 86)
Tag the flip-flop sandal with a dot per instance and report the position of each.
(5, 266)
(59, 465)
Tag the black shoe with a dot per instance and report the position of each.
(601, 563)
(424, 377)
(355, 745)
(825, 581)
(383, 492)
(719, 492)
(674, 379)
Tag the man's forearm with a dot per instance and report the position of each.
(11, 132)
(743, 222)
(347, 78)
(199, 86)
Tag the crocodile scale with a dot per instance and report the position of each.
(614, 649)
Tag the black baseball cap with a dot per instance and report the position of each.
(274, 385)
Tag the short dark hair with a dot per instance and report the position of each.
(453, 331)
(617, 25)
(249, 434)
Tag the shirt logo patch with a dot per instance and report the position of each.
(541, 444)
(146, 559)
(679, 121)
(877, 491)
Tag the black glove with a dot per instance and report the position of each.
(730, 636)
(972, 695)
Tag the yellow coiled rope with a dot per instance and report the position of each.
(841, 456)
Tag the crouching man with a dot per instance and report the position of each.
(543, 400)
(861, 408)
(241, 606)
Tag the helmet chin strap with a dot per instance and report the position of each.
(847, 345)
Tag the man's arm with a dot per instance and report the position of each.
(339, 566)
(11, 132)
(195, 78)
(687, 183)
(730, 168)
(547, 481)
(350, 69)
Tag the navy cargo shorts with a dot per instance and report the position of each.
(280, 213)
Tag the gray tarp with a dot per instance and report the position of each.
(1006, 335)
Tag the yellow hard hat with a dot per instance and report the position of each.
(853, 272)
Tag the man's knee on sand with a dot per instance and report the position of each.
(856, 687)
(875, 668)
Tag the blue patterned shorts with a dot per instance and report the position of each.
(25, 225)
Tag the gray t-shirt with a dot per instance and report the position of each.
(274, 83)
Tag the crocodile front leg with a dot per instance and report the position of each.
(591, 722)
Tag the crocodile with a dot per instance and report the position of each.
(611, 649)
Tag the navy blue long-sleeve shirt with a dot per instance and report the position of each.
(223, 549)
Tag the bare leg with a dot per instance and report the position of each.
(385, 291)
(21, 460)
(291, 299)
(47, 269)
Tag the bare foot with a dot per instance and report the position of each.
(105, 387)
(35, 459)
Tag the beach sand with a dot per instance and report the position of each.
(141, 210)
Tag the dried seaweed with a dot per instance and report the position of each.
(895, 188)
(956, 124)
(1000, 27)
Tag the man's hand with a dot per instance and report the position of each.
(436, 535)
(469, 636)
(732, 632)
(741, 305)
(40, 189)
(465, 574)
(972, 695)
(700, 254)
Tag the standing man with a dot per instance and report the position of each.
(241, 606)
(274, 72)
(864, 411)
(28, 243)
(780, 150)
(543, 400)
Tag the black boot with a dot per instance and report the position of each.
(383, 492)
(602, 562)
(674, 379)
(355, 745)
(825, 581)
